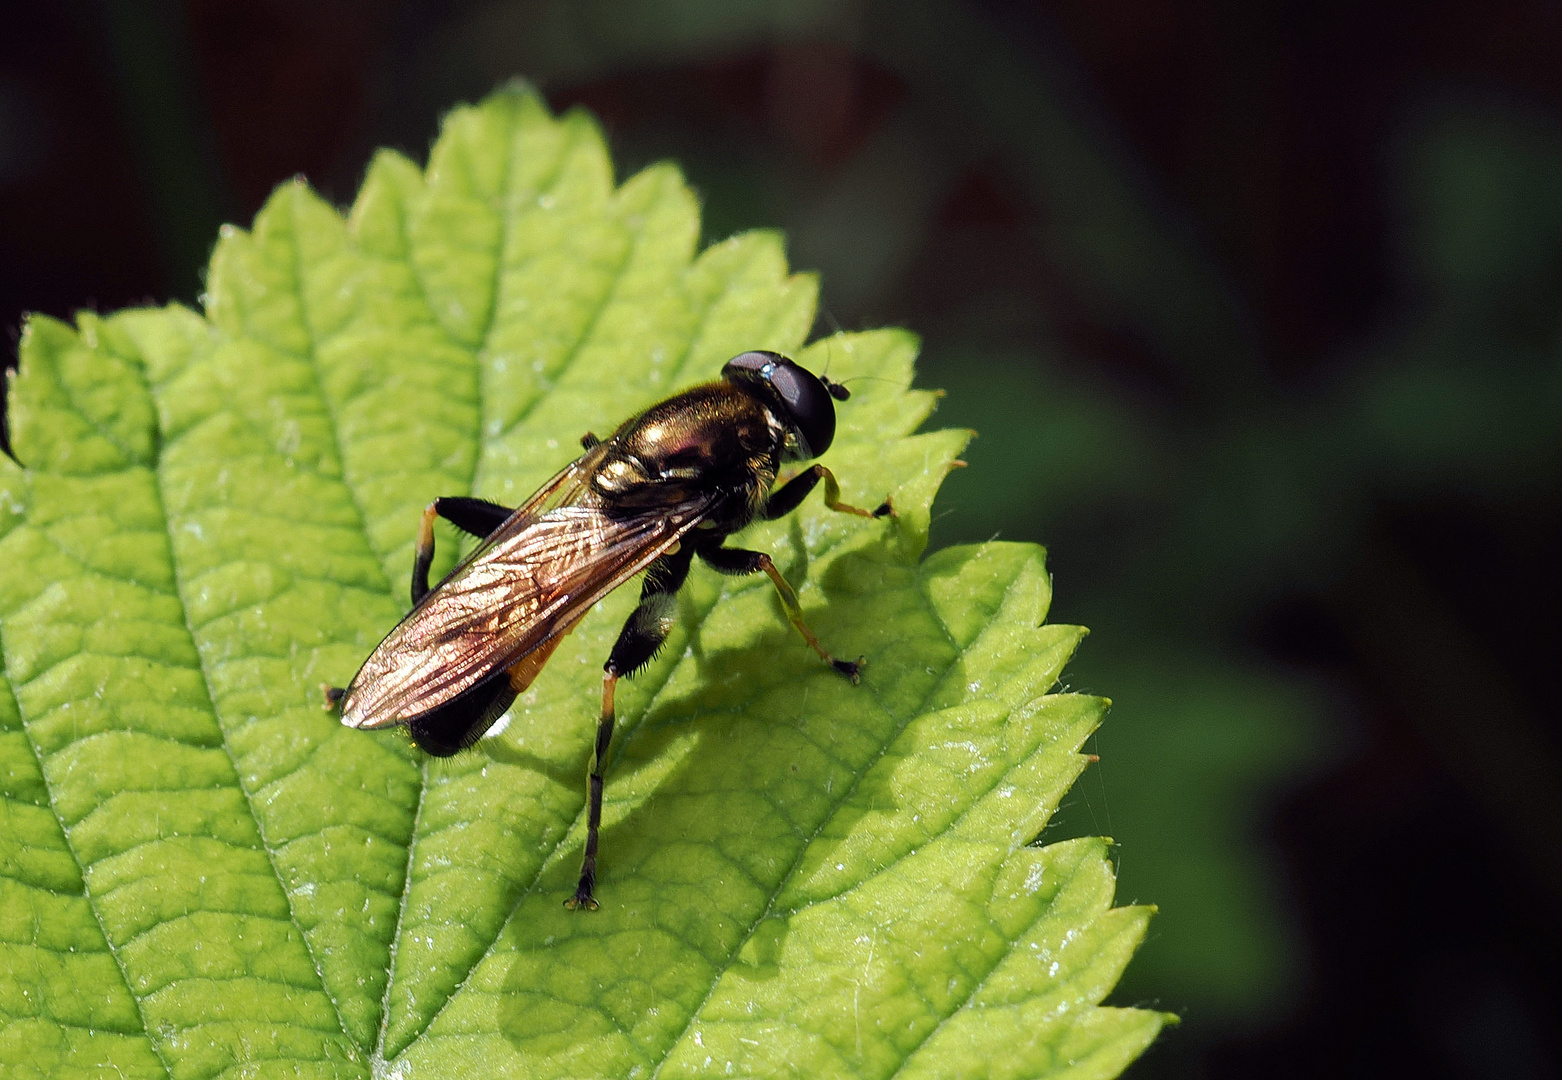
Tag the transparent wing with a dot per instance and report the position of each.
(533, 578)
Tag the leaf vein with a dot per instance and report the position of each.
(254, 916)
(627, 732)
(401, 914)
(97, 916)
(211, 696)
(582, 339)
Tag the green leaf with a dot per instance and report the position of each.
(203, 874)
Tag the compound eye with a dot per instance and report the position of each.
(811, 406)
(751, 365)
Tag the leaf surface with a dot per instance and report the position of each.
(205, 875)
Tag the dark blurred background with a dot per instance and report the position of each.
(1256, 310)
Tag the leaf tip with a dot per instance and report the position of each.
(517, 86)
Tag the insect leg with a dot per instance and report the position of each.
(741, 561)
(794, 491)
(478, 517)
(588, 862)
(475, 516)
(425, 553)
(642, 636)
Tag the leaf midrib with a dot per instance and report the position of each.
(312, 356)
(625, 733)
(481, 368)
(583, 339)
(501, 266)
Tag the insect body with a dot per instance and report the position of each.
(670, 484)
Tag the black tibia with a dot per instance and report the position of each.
(583, 897)
(668, 573)
(734, 561)
(742, 561)
(791, 495)
(643, 634)
(649, 624)
(589, 441)
(460, 722)
(479, 517)
(475, 516)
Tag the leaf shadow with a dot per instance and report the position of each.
(752, 758)
(506, 753)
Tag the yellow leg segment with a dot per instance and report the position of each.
(832, 498)
(794, 612)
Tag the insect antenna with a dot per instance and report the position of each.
(840, 392)
(837, 391)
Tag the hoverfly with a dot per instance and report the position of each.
(671, 483)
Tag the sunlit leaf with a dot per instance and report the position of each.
(202, 873)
